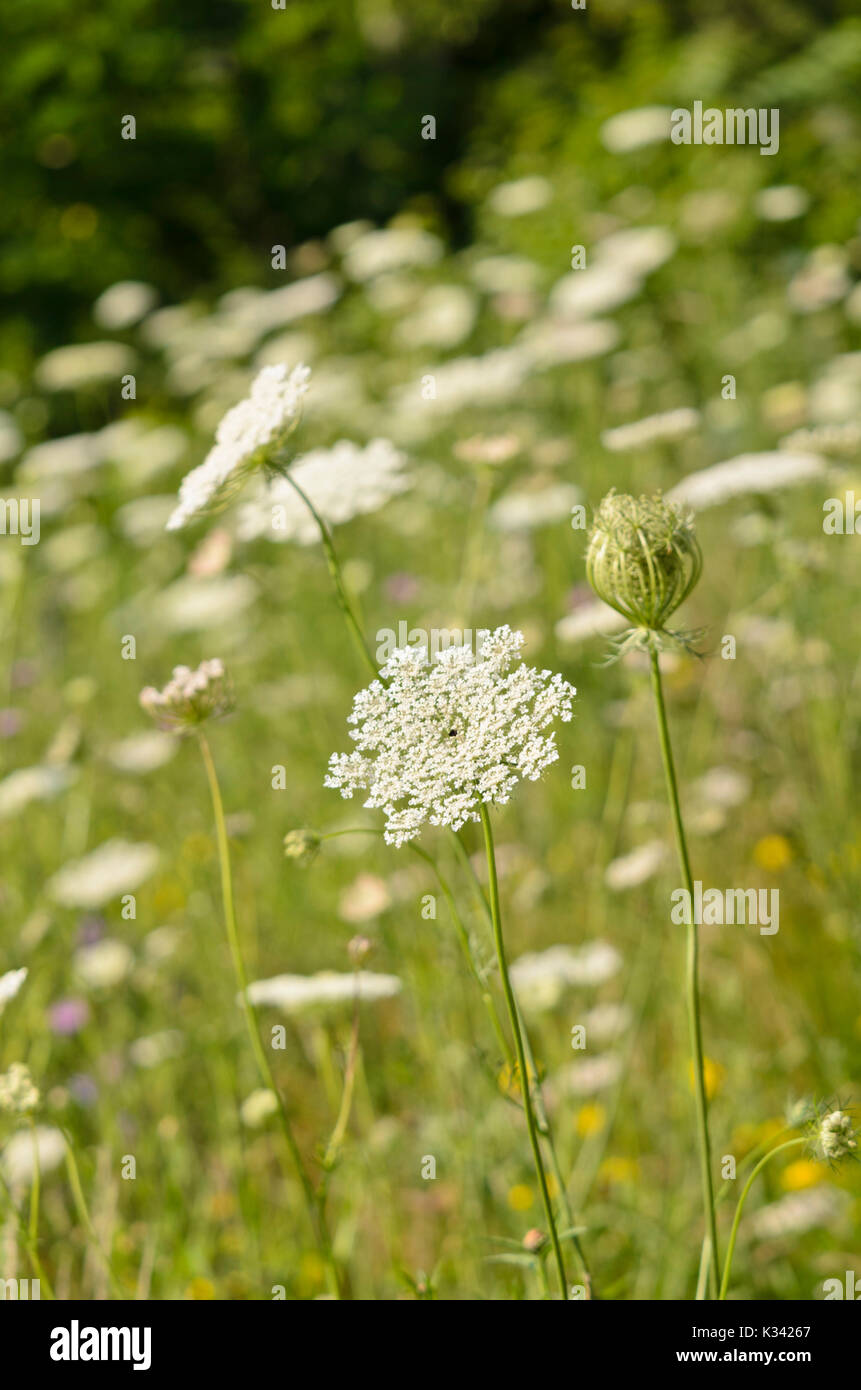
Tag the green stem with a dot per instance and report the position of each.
(691, 979)
(315, 1213)
(33, 1228)
(541, 1113)
(789, 1144)
(84, 1215)
(514, 1019)
(334, 571)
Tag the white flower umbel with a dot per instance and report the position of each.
(341, 483)
(253, 428)
(436, 741)
(295, 994)
(639, 434)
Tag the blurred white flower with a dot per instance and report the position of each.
(748, 473)
(639, 434)
(630, 870)
(256, 425)
(81, 364)
(635, 250)
(389, 248)
(116, 867)
(505, 275)
(547, 342)
(256, 1109)
(796, 1213)
(589, 1075)
(10, 985)
(342, 482)
(723, 786)
(260, 311)
(124, 303)
(842, 439)
(632, 130)
(437, 739)
(104, 964)
(781, 202)
(198, 605)
(141, 753)
(541, 978)
(18, 1156)
(468, 382)
(157, 1048)
(29, 784)
(366, 898)
(443, 318)
(606, 1022)
(521, 196)
(11, 438)
(293, 994)
(597, 289)
(822, 280)
(528, 508)
(592, 619)
(18, 1095)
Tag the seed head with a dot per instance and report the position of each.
(643, 558)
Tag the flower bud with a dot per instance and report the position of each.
(302, 845)
(836, 1137)
(643, 557)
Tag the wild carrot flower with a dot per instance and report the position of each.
(246, 437)
(17, 1092)
(190, 697)
(436, 741)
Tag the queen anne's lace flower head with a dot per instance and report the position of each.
(190, 697)
(17, 1092)
(248, 434)
(437, 740)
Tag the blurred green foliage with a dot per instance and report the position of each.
(258, 126)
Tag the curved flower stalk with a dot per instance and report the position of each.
(438, 743)
(830, 1138)
(184, 706)
(323, 486)
(644, 559)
